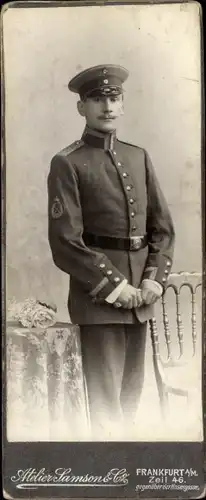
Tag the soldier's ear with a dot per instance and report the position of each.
(81, 108)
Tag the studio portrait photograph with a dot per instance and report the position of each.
(103, 210)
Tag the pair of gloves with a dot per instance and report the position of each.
(148, 293)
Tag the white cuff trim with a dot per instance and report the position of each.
(112, 297)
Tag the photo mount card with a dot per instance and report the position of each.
(153, 52)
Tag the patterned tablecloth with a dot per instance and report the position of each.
(45, 385)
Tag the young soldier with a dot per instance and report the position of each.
(110, 229)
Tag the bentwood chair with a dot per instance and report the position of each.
(175, 370)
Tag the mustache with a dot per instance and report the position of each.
(106, 116)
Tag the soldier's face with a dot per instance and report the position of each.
(102, 112)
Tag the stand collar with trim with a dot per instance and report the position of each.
(97, 139)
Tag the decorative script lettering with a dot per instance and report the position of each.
(32, 478)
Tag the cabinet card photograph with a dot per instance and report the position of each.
(103, 209)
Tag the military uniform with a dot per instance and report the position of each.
(108, 222)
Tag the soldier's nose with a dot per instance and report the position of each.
(107, 105)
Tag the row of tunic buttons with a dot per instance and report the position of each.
(128, 188)
(109, 273)
(166, 271)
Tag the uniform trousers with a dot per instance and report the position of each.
(113, 357)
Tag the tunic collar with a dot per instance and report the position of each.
(99, 139)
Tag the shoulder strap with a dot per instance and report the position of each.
(129, 144)
(69, 149)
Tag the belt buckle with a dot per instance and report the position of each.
(135, 242)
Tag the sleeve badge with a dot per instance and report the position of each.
(57, 208)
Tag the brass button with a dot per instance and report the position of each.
(166, 271)
(125, 174)
(116, 280)
(109, 272)
(134, 228)
(114, 152)
(131, 201)
(132, 214)
(102, 266)
(168, 263)
(128, 188)
(164, 279)
(119, 164)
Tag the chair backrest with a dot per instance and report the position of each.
(176, 283)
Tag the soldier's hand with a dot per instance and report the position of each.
(151, 291)
(129, 297)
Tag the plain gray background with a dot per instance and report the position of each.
(44, 48)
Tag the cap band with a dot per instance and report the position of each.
(103, 91)
(100, 83)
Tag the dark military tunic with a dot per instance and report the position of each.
(106, 187)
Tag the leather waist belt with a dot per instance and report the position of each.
(133, 244)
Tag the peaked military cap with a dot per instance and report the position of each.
(99, 80)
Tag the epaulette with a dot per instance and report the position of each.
(69, 149)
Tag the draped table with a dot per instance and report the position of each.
(45, 384)
(46, 392)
